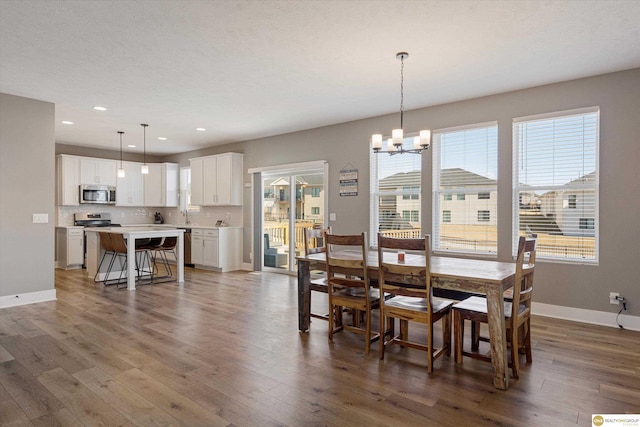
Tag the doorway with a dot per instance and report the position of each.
(292, 198)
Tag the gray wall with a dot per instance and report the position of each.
(571, 285)
(27, 172)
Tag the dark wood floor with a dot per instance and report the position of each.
(224, 349)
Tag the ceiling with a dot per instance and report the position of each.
(250, 69)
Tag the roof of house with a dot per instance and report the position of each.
(453, 177)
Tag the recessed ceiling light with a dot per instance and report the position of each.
(131, 146)
(99, 108)
(162, 138)
(200, 129)
(67, 122)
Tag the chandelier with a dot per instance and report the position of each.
(394, 144)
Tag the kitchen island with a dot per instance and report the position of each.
(131, 234)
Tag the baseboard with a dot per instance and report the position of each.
(247, 266)
(28, 298)
(586, 316)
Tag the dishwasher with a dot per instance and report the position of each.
(187, 247)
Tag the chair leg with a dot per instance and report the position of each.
(382, 335)
(458, 331)
(430, 349)
(446, 333)
(367, 343)
(515, 362)
(475, 336)
(332, 316)
(527, 341)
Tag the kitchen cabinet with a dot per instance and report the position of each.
(68, 180)
(69, 247)
(217, 248)
(217, 180)
(98, 171)
(130, 189)
(161, 185)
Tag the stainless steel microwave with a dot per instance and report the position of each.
(101, 194)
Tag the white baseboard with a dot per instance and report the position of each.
(28, 298)
(586, 316)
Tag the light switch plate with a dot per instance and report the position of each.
(40, 218)
(332, 216)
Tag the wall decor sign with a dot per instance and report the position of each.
(348, 180)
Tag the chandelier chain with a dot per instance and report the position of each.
(401, 91)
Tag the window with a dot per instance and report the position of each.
(587, 224)
(555, 177)
(413, 192)
(465, 163)
(395, 194)
(315, 192)
(483, 216)
(315, 210)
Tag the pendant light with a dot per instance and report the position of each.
(394, 144)
(121, 173)
(145, 167)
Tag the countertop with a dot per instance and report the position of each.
(181, 226)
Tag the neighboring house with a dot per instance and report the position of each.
(468, 207)
(571, 207)
(309, 198)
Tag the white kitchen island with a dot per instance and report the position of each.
(131, 234)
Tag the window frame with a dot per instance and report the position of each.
(461, 194)
(570, 186)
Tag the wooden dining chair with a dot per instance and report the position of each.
(314, 244)
(517, 312)
(410, 304)
(348, 285)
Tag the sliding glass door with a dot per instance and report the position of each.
(292, 200)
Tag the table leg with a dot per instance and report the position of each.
(498, 336)
(131, 263)
(304, 296)
(180, 259)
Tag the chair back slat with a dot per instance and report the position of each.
(390, 268)
(525, 265)
(353, 265)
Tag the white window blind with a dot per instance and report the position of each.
(465, 191)
(395, 194)
(555, 183)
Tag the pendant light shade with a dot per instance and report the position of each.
(121, 173)
(394, 144)
(145, 167)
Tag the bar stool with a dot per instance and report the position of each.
(120, 247)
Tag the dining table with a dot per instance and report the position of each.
(478, 276)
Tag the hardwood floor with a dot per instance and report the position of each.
(224, 349)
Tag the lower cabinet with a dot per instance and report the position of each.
(217, 248)
(69, 247)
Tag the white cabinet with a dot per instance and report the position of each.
(161, 185)
(68, 180)
(130, 189)
(69, 247)
(216, 180)
(219, 248)
(97, 171)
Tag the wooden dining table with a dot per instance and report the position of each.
(487, 277)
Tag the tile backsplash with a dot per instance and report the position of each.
(207, 216)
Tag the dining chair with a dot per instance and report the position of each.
(410, 303)
(314, 244)
(107, 247)
(517, 312)
(348, 285)
(120, 247)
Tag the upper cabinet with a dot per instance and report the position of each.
(130, 188)
(216, 180)
(158, 189)
(161, 185)
(68, 180)
(97, 171)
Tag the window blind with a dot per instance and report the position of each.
(465, 191)
(555, 183)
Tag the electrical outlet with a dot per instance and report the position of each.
(613, 298)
